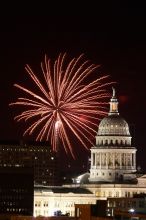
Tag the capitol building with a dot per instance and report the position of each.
(112, 171)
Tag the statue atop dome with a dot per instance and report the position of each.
(114, 91)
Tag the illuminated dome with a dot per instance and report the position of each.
(113, 125)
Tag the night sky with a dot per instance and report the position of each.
(116, 40)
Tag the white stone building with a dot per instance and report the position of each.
(112, 171)
(113, 158)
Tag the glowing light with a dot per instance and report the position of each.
(131, 210)
(68, 102)
(57, 124)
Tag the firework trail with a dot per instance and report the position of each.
(66, 102)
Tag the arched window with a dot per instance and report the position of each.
(116, 142)
(106, 142)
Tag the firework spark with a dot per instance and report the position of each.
(65, 102)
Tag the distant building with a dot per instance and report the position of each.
(49, 200)
(135, 205)
(35, 155)
(16, 190)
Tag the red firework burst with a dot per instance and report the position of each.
(66, 101)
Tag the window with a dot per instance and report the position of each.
(45, 204)
(103, 193)
(109, 193)
(141, 204)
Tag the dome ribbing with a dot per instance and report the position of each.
(113, 125)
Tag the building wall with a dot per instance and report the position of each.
(46, 203)
(110, 164)
(87, 211)
(39, 157)
(102, 191)
(13, 217)
(16, 190)
(66, 201)
(129, 205)
(83, 211)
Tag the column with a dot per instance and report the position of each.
(131, 160)
(120, 160)
(91, 159)
(96, 159)
(100, 160)
(107, 160)
(134, 161)
(113, 157)
(125, 160)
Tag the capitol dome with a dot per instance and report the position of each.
(113, 125)
(113, 158)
